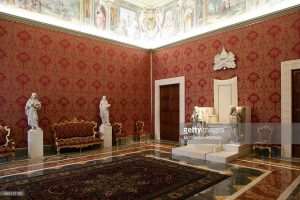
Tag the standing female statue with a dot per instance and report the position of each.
(104, 111)
(235, 120)
(32, 105)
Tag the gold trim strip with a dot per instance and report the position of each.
(151, 93)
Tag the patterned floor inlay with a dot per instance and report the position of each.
(296, 194)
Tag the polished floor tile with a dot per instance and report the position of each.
(250, 177)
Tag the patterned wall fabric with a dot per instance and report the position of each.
(70, 75)
(259, 50)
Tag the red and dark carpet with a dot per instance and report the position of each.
(132, 178)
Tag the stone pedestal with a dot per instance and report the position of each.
(106, 130)
(35, 143)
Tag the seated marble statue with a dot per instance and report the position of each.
(104, 111)
(201, 114)
(235, 122)
(32, 105)
(199, 118)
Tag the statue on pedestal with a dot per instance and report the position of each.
(104, 111)
(32, 105)
(235, 120)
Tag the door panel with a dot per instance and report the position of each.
(169, 112)
(296, 112)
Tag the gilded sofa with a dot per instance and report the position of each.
(7, 145)
(75, 134)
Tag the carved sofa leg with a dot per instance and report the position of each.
(270, 152)
(13, 157)
(254, 147)
(58, 151)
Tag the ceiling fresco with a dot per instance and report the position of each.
(144, 23)
(149, 4)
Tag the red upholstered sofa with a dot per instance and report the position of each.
(7, 145)
(75, 134)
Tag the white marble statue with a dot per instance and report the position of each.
(32, 105)
(201, 114)
(235, 121)
(194, 116)
(199, 118)
(104, 111)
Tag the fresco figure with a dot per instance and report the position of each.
(101, 17)
(188, 19)
(123, 27)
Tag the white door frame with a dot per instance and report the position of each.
(286, 106)
(177, 80)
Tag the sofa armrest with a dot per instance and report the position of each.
(97, 135)
(12, 144)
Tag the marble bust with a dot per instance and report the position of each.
(32, 105)
(235, 120)
(104, 111)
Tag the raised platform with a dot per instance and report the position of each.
(196, 150)
(213, 152)
(209, 140)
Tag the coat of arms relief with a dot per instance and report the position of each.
(224, 60)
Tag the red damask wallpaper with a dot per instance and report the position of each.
(70, 75)
(259, 49)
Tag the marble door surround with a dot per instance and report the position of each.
(286, 106)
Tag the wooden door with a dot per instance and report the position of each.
(296, 112)
(169, 112)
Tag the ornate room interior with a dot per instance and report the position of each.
(148, 99)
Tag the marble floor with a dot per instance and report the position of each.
(250, 178)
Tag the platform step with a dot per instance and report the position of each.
(204, 147)
(192, 152)
(208, 141)
(237, 148)
(222, 156)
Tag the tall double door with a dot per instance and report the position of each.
(169, 112)
(296, 113)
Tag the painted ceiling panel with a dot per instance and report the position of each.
(149, 3)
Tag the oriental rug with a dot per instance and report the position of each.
(132, 178)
